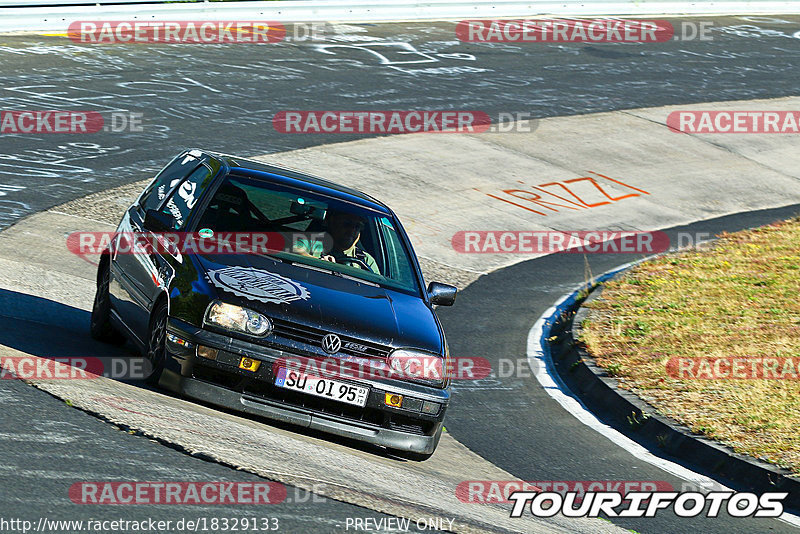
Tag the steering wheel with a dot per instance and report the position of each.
(348, 259)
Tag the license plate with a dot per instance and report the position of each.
(322, 387)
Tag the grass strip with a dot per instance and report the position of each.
(694, 333)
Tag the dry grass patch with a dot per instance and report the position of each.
(738, 299)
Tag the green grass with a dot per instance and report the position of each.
(737, 299)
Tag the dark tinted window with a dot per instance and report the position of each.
(318, 231)
(177, 170)
(185, 196)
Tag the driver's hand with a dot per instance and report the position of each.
(329, 258)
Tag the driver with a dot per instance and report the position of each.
(345, 230)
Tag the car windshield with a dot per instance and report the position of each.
(317, 231)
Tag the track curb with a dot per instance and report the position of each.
(634, 417)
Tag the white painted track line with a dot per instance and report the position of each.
(541, 363)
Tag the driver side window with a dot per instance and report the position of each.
(178, 169)
(185, 196)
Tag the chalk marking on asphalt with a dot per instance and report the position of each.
(538, 355)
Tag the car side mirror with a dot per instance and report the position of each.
(158, 221)
(442, 294)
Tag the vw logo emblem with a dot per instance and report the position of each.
(331, 343)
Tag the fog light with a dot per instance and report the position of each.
(430, 407)
(207, 352)
(390, 399)
(249, 364)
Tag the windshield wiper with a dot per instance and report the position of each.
(315, 268)
(335, 273)
(274, 257)
(361, 280)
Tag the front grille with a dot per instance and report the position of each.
(370, 416)
(313, 336)
(409, 425)
(217, 376)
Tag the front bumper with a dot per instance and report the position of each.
(222, 383)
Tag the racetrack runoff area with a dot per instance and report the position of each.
(648, 176)
(622, 170)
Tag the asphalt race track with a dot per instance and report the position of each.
(223, 97)
(61, 444)
(513, 422)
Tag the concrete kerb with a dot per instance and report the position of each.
(574, 369)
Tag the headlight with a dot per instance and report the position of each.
(238, 319)
(418, 366)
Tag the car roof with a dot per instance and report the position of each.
(288, 176)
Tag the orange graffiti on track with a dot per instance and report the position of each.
(574, 194)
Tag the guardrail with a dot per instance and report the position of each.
(47, 3)
(54, 15)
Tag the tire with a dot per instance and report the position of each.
(101, 328)
(156, 343)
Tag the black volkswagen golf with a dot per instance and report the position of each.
(276, 293)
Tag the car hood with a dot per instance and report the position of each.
(321, 300)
